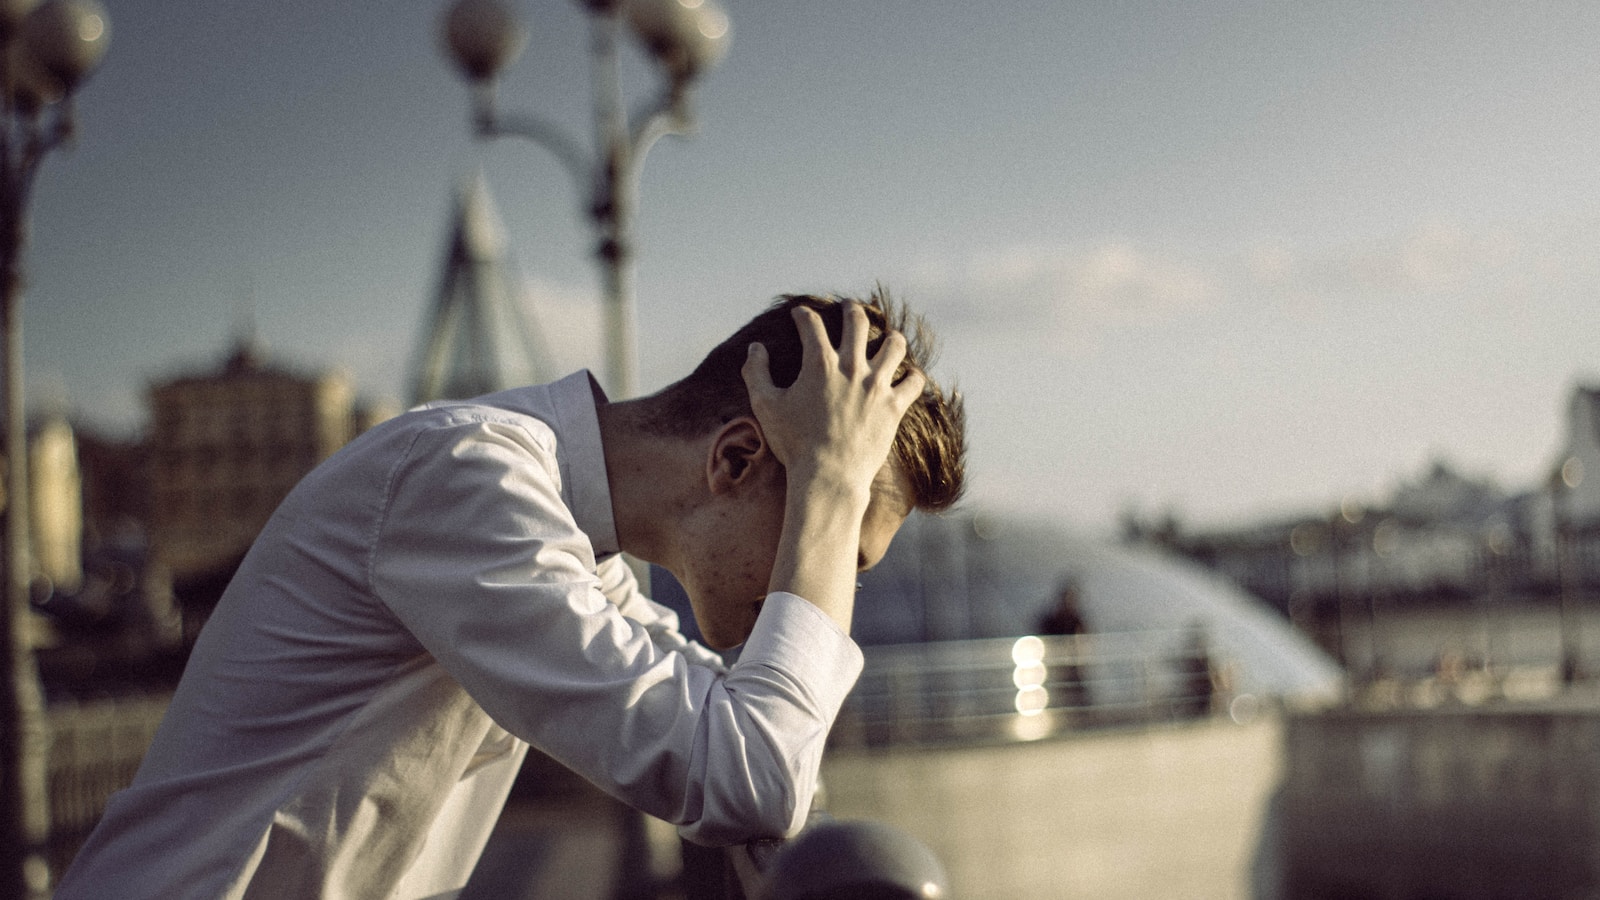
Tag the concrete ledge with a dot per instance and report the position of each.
(1166, 811)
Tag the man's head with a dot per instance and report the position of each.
(930, 447)
(729, 542)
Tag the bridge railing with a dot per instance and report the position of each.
(1026, 688)
(991, 691)
(976, 691)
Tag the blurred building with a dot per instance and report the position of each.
(56, 502)
(98, 625)
(1441, 540)
(480, 335)
(55, 512)
(115, 474)
(1576, 475)
(1431, 540)
(226, 446)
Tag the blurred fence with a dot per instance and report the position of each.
(1120, 787)
(937, 694)
(1028, 688)
(95, 749)
(961, 694)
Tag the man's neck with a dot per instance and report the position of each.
(648, 475)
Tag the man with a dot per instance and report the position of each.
(446, 591)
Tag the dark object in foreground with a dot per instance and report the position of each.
(841, 860)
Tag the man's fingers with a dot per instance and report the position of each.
(853, 335)
(814, 344)
(890, 354)
(757, 371)
(909, 389)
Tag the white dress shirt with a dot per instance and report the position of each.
(430, 600)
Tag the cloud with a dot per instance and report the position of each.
(1118, 284)
(1084, 290)
(1109, 284)
(1428, 261)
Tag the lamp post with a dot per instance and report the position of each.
(1562, 483)
(685, 37)
(47, 50)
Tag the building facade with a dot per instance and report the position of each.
(226, 448)
(1575, 479)
(56, 503)
(55, 516)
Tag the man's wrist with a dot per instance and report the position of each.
(825, 484)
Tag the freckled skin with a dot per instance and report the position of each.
(728, 584)
(714, 509)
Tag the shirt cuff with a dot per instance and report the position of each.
(795, 636)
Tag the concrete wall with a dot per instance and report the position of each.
(1172, 811)
(1461, 803)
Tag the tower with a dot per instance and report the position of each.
(480, 337)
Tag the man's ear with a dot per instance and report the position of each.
(738, 449)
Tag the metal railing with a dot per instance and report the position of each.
(95, 749)
(1027, 688)
(967, 692)
(980, 691)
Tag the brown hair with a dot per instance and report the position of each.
(930, 447)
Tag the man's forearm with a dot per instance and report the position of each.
(831, 429)
(820, 543)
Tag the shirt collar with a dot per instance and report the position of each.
(574, 400)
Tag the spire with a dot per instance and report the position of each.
(249, 354)
(480, 337)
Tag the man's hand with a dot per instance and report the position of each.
(840, 416)
(831, 430)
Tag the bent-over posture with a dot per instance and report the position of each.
(447, 590)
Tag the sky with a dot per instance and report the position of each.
(1227, 260)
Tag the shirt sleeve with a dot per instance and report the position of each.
(621, 587)
(480, 559)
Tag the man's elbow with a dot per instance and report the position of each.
(736, 817)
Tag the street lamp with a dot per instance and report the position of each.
(46, 50)
(1563, 481)
(685, 37)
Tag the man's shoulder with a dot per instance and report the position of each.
(456, 427)
(549, 426)
(544, 404)
(532, 408)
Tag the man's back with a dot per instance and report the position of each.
(447, 581)
(451, 580)
(310, 720)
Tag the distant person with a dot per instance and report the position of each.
(1065, 618)
(1198, 672)
(447, 590)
